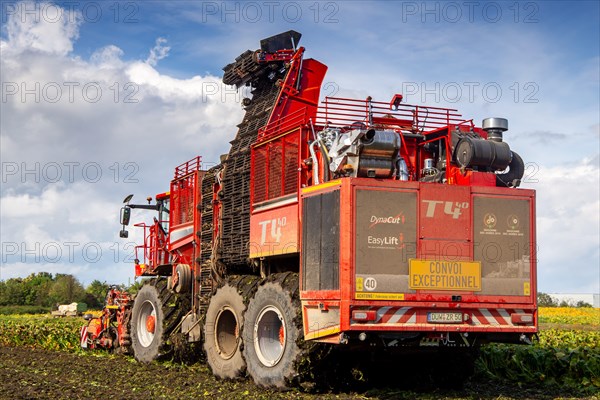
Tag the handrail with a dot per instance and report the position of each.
(147, 248)
(342, 112)
(339, 112)
(188, 167)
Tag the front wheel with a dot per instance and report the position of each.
(155, 314)
(271, 333)
(146, 324)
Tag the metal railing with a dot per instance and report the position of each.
(187, 167)
(340, 112)
(154, 250)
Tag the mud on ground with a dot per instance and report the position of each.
(39, 374)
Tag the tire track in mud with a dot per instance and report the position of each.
(40, 374)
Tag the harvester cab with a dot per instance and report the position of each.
(154, 249)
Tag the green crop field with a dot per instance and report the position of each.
(566, 356)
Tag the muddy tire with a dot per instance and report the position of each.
(223, 342)
(272, 332)
(155, 314)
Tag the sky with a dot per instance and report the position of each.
(100, 99)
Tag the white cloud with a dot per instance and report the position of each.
(28, 206)
(158, 52)
(108, 57)
(43, 27)
(568, 226)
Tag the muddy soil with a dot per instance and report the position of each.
(39, 374)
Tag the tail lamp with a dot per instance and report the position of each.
(521, 318)
(364, 315)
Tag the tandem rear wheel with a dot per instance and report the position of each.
(223, 342)
(271, 333)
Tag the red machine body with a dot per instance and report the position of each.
(407, 255)
(389, 224)
(420, 257)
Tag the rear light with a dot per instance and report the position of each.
(521, 318)
(364, 315)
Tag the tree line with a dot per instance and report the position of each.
(43, 291)
(545, 300)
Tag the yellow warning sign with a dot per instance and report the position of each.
(359, 284)
(526, 289)
(378, 296)
(445, 275)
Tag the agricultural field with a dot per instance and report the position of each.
(40, 358)
(570, 317)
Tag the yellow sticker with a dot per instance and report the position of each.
(321, 186)
(445, 275)
(322, 332)
(378, 296)
(526, 289)
(359, 284)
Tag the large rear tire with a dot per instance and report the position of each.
(155, 314)
(272, 332)
(223, 342)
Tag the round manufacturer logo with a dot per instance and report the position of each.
(513, 221)
(489, 220)
(370, 284)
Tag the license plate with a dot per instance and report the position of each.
(445, 317)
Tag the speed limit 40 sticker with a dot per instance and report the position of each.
(369, 284)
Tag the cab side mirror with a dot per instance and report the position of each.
(125, 215)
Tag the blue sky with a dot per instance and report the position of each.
(536, 63)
